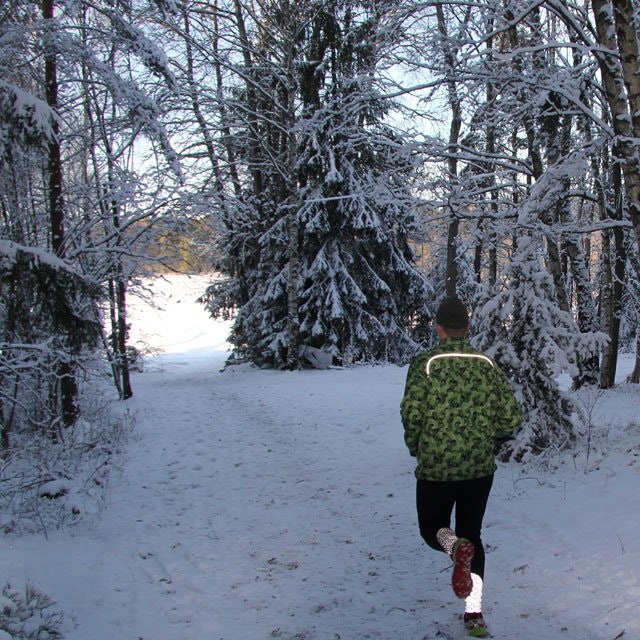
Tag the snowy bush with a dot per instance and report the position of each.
(29, 615)
(46, 484)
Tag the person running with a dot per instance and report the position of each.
(457, 406)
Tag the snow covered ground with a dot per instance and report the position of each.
(261, 504)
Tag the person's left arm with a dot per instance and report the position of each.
(413, 405)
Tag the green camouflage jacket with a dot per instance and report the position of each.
(457, 403)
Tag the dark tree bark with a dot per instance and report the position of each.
(68, 386)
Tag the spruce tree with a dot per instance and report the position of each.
(522, 326)
(340, 195)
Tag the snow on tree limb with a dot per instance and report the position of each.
(24, 119)
(9, 252)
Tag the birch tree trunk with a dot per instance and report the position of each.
(621, 91)
(618, 63)
(627, 35)
(613, 273)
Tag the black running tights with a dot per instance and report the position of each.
(435, 501)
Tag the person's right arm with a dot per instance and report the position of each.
(508, 411)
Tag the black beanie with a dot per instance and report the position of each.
(452, 314)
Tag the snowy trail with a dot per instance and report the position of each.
(253, 505)
(275, 508)
(299, 512)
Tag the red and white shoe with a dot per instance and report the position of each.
(462, 555)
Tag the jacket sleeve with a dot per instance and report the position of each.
(412, 405)
(508, 411)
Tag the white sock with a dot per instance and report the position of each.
(447, 539)
(473, 602)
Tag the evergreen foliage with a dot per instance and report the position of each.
(347, 209)
(48, 319)
(535, 342)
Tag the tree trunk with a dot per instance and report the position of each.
(607, 363)
(635, 374)
(451, 278)
(118, 337)
(125, 369)
(614, 268)
(253, 142)
(66, 370)
(68, 393)
(586, 312)
(119, 299)
(620, 82)
(195, 105)
(626, 26)
(620, 78)
(54, 165)
(293, 313)
(4, 431)
(226, 131)
(7, 417)
(491, 182)
(626, 31)
(293, 319)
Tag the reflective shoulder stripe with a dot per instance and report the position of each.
(440, 356)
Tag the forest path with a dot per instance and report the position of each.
(253, 505)
(272, 506)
